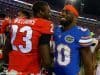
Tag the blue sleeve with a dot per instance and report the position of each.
(85, 38)
(57, 30)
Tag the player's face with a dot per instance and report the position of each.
(20, 14)
(46, 13)
(66, 18)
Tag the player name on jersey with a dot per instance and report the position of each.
(26, 22)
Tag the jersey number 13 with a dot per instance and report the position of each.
(27, 39)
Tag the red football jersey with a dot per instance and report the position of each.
(1, 22)
(2, 37)
(25, 36)
(4, 25)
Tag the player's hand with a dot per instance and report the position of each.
(44, 71)
(1, 54)
(48, 70)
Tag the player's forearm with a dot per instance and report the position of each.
(88, 61)
(45, 55)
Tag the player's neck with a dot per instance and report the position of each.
(69, 26)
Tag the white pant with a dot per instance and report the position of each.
(14, 72)
(98, 70)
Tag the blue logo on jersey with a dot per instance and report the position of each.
(69, 39)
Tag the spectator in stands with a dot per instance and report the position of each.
(95, 49)
(97, 52)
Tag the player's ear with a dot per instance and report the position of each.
(41, 12)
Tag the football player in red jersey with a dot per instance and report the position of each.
(2, 36)
(30, 41)
(43, 18)
(2, 41)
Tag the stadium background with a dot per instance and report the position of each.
(89, 11)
